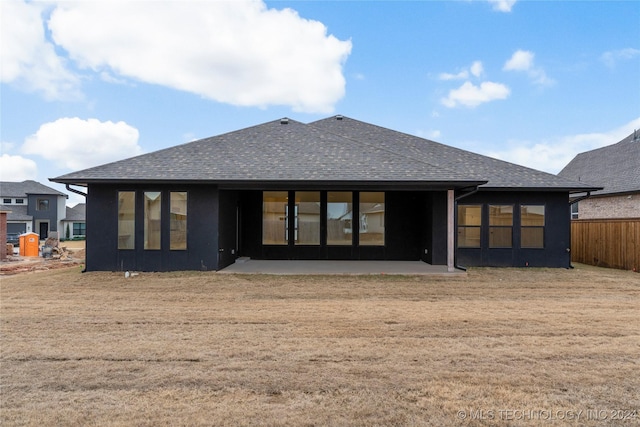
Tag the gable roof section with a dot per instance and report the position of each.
(16, 213)
(273, 152)
(333, 150)
(500, 175)
(615, 167)
(76, 213)
(24, 188)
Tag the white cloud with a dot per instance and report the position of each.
(470, 95)
(28, 60)
(476, 69)
(523, 60)
(74, 143)
(553, 154)
(611, 58)
(462, 75)
(502, 5)
(17, 168)
(237, 52)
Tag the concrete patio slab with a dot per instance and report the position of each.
(410, 268)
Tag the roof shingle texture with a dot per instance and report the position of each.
(615, 167)
(328, 150)
(22, 189)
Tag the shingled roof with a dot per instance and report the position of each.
(333, 150)
(24, 188)
(615, 167)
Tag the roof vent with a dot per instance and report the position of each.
(339, 117)
(636, 136)
(284, 121)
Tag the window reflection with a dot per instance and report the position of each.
(371, 219)
(307, 218)
(126, 219)
(339, 218)
(178, 213)
(152, 209)
(274, 218)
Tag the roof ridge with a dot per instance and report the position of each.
(394, 152)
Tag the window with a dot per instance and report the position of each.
(469, 222)
(371, 219)
(178, 214)
(19, 201)
(339, 218)
(6, 201)
(274, 218)
(79, 229)
(126, 219)
(532, 226)
(500, 226)
(152, 215)
(574, 210)
(307, 218)
(42, 205)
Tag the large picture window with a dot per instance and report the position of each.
(152, 219)
(178, 214)
(79, 229)
(126, 219)
(371, 219)
(500, 226)
(469, 223)
(532, 226)
(274, 218)
(307, 218)
(339, 218)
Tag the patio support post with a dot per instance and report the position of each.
(450, 231)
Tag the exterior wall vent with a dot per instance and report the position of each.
(284, 121)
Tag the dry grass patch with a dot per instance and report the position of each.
(209, 349)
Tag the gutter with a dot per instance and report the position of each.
(571, 202)
(455, 210)
(73, 190)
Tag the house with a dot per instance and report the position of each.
(290, 190)
(615, 168)
(74, 224)
(33, 207)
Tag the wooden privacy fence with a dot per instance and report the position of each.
(613, 243)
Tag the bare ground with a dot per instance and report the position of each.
(497, 347)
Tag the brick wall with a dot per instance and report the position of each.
(627, 206)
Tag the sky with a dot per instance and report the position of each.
(84, 83)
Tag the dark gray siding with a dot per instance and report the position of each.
(557, 232)
(102, 231)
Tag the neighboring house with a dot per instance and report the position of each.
(203, 204)
(74, 224)
(34, 207)
(616, 168)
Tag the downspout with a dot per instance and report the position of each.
(571, 203)
(73, 190)
(455, 208)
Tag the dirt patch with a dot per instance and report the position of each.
(498, 346)
(17, 264)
